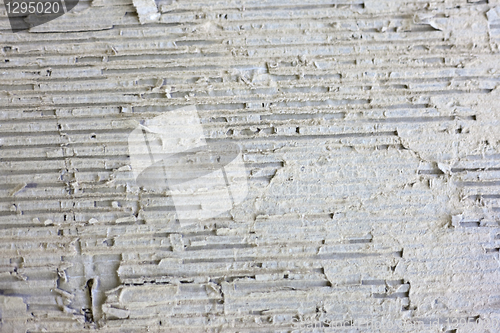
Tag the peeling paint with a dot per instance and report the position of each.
(369, 134)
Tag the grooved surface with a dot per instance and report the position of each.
(370, 135)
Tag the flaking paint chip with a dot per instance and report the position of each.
(147, 11)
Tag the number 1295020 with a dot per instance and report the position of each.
(33, 7)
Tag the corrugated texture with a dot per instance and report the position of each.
(370, 134)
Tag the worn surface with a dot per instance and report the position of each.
(370, 134)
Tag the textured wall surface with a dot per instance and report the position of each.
(370, 135)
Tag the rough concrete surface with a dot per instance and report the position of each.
(369, 136)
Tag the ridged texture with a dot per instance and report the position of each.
(370, 134)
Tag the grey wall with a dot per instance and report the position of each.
(369, 132)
